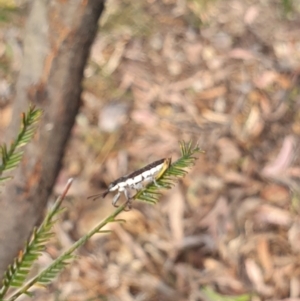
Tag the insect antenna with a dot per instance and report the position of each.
(96, 196)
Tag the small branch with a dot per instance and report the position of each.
(11, 157)
(16, 273)
(67, 254)
(149, 194)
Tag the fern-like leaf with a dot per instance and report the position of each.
(151, 193)
(54, 269)
(57, 265)
(17, 273)
(11, 157)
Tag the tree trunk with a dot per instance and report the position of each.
(57, 41)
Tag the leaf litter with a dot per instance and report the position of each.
(216, 72)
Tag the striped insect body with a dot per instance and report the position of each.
(137, 180)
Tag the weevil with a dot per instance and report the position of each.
(136, 180)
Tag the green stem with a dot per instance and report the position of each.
(27, 120)
(67, 253)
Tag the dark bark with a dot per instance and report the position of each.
(57, 41)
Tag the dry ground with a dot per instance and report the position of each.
(224, 73)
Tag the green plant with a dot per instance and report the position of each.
(211, 295)
(12, 156)
(287, 6)
(17, 273)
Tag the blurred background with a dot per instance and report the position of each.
(223, 73)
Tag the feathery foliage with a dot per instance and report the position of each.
(17, 273)
(12, 156)
(151, 193)
(57, 265)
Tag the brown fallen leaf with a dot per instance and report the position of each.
(268, 214)
(212, 116)
(212, 93)
(255, 275)
(275, 194)
(294, 236)
(265, 79)
(175, 212)
(251, 14)
(283, 159)
(242, 54)
(229, 150)
(264, 257)
(216, 219)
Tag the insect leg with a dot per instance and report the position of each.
(127, 195)
(155, 183)
(115, 199)
(129, 205)
(128, 198)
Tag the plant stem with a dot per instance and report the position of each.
(68, 253)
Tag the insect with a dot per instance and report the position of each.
(136, 180)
